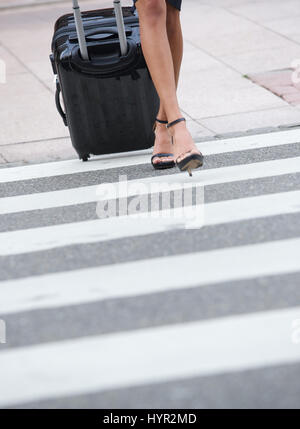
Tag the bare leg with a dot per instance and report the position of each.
(174, 33)
(162, 138)
(158, 54)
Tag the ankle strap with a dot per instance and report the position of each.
(160, 121)
(171, 124)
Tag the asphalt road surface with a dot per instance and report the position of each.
(190, 307)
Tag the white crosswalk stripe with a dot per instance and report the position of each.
(148, 356)
(95, 284)
(37, 239)
(138, 356)
(86, 194)
(105, 162)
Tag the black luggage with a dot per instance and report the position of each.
(110, 102)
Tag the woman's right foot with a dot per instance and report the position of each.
(163, 149)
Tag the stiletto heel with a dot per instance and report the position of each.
(161, 165)
(190, 162)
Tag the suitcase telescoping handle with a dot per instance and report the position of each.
(80, 29)
(120, 26)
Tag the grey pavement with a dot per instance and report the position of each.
(175, 242)
(166, 308)
(112, 175)
(279, 384)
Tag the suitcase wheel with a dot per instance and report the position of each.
(85, 158)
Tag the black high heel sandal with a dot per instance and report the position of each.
(166, 164)
(191, 162)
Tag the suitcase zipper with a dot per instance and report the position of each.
(62, 32)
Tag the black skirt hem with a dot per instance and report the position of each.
(175, 3)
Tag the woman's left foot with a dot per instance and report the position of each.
(186, 154)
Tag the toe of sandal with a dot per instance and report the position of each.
(163, 164)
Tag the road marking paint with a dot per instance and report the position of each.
(118, 160)
(175, 272)
(152, 355)
(87, 194)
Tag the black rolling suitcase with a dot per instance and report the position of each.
(109, 99)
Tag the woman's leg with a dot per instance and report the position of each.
(162, 138)
(176, 45)
(157, 52)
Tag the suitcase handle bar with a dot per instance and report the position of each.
(121, 26)
(80, 29)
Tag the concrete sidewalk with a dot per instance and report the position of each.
(229, 46)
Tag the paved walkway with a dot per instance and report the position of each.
(224, 41)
